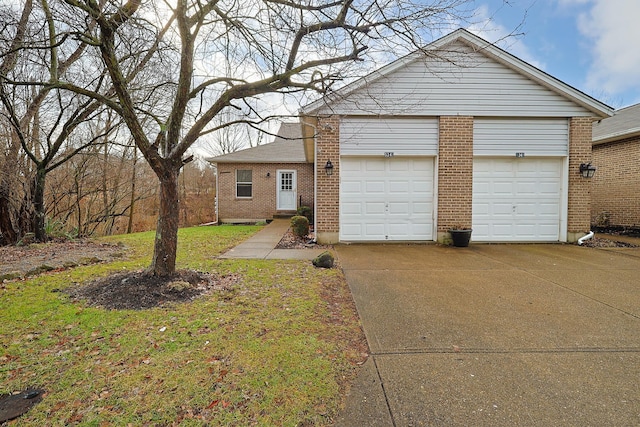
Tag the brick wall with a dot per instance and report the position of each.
(455, 170)
(328, 148)
(262, 204)
(455, 177)
(579, 202)
(615, 191)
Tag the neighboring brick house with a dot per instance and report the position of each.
(260, 183)
(466, 135)
(615, 194)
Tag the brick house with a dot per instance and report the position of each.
(615, 194)
(462, 134)
(259, 183)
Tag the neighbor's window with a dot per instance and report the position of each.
(244, 183)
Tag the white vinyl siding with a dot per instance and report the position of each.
(465, 82)
(375, 136)
(386, 199)
(532, 137)
(517, 200)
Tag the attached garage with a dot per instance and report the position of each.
(386, 199)
(469, 137)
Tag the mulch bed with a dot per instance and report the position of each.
(599, 242)
(291, 241)
(141, 290)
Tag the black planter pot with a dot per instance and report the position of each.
(460, 238)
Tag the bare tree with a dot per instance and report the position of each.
(43, 118)
(219, 55)
(12, 42)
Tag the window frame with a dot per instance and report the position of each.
(245, 184)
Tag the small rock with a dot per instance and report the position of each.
(324, 260)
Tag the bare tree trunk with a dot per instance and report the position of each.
(133, 190)
(166, 243)
(37, 194)
(8, 235)
(8, 180)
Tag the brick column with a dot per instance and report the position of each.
(579, 203)
(328, 187)
(455, 174)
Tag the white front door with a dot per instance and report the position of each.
(287, 190)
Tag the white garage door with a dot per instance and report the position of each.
(517, 199)
(386, 199)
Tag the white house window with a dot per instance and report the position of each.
(244, 183)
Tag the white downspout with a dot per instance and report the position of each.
(217, 199)
(315, 183)
(583, 238)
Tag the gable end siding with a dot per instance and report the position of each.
(465, 82)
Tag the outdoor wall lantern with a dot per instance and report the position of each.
(587, 170)
(328, 168)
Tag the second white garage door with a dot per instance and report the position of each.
(386, 199)
(517, 199)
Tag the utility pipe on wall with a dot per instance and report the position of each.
(583, 238)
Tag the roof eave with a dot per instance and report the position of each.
(629, 133)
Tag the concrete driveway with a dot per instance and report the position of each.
(496, 335)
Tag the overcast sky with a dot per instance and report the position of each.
(592, 45)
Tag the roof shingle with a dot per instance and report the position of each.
(624, 124)
(287, 147)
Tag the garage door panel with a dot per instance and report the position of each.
(549, 209)
(353, 187)
(517, 199)
(352, 229)
(502, 188)
(352, 208)
(423, 188)
(399, 187)
(374, 208)
(400, 165)
(398, 208)
(397, 203)
(422, 208)
(498, 208)
(375, 229)
(371, 165)
(373, 187)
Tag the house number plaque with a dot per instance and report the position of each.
(519, 154)
(388, 153)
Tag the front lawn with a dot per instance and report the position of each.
(277, 348)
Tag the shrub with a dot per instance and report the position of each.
(306, 212)
(300, 225)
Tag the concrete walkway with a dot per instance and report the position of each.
(262, 245)
(495, 335)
